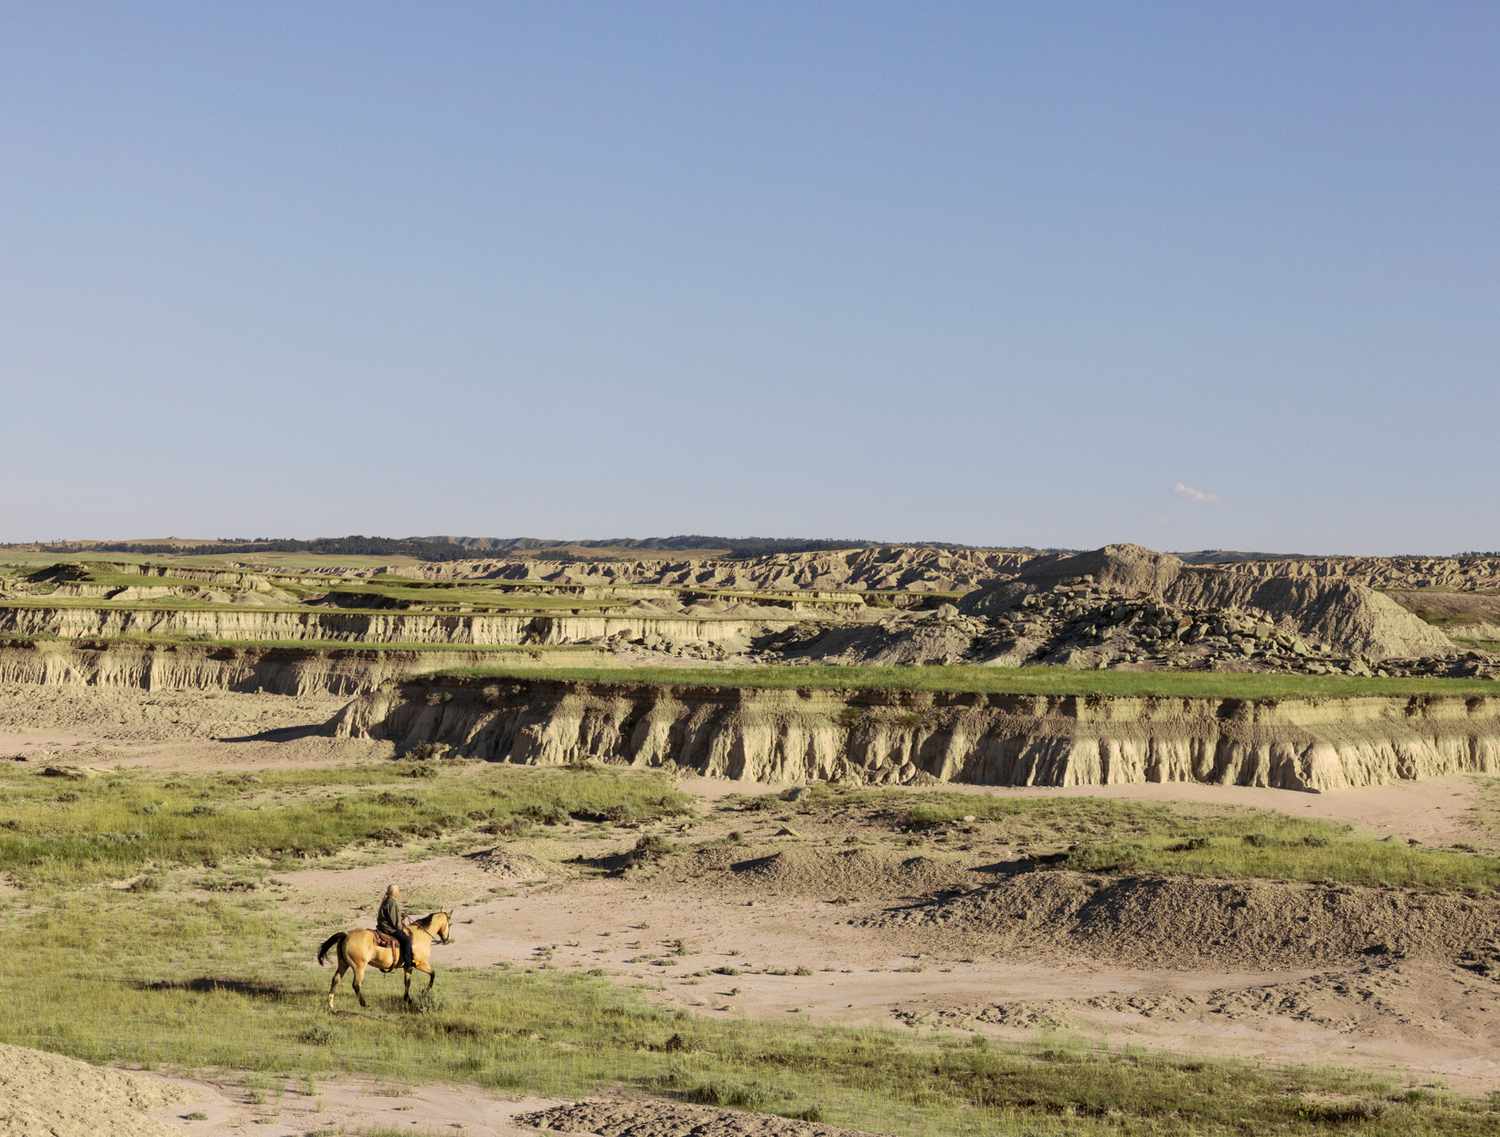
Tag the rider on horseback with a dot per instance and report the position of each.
(393, 923)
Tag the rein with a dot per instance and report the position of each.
(424, 925)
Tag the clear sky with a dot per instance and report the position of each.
(1191, 275)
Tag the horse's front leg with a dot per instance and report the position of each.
(406, 974)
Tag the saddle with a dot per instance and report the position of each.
(386, 940)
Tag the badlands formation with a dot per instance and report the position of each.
(594, 655)
(1016, 831)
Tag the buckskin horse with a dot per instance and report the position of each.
(360, 948)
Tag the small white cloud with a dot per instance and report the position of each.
(1194, 494)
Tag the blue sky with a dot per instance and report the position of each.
(999, 274)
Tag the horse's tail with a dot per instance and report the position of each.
(335, 940)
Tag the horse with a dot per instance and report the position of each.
(358, 949)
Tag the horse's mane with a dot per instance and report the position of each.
(425, 922)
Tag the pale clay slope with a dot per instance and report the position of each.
(47, 1095)
(1341, 613)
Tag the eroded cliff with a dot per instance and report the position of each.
(907, 737)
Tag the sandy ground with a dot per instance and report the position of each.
(187, 730)
(288, 1109)
(722, 956)
(46, 1095)
(207, 1107)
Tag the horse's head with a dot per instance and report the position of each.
(441, 926)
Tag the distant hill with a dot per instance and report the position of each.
(447, 548)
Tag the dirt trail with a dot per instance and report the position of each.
(47, 1094)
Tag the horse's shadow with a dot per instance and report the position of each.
(211, 985)
(279, 734)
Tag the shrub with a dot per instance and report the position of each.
(651, 847)
(546, 813)
(728, 1095)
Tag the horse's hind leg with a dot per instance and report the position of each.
(337, 975)
(359, 983)
(406, 974)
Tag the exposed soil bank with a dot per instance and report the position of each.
(68, 622)
(1176, 922)
(273, 670)
(904, 737)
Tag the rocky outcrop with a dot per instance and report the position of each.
(903, 567)
(1336, 616)
(1476, 572)
(905, 737)
(1125, 570)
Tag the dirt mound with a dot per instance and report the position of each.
(846, 873)
(668, 1119)
(1345, 1001)
(1371, 998)
(61, 1097)
(1014, 1014)
(941, 637)
(1185, 923)
(509, 865)
(1126, 570)
(1345, 615)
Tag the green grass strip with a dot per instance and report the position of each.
(1001, 681)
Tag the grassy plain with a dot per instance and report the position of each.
(313, 646)
(228, 983)
(58, 830)
(1100, 835)
(1007, 681)
(185, 975)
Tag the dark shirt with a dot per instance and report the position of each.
(389, 919)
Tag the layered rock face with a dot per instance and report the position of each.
(275, 671)
(395, 627)
(904, 737)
